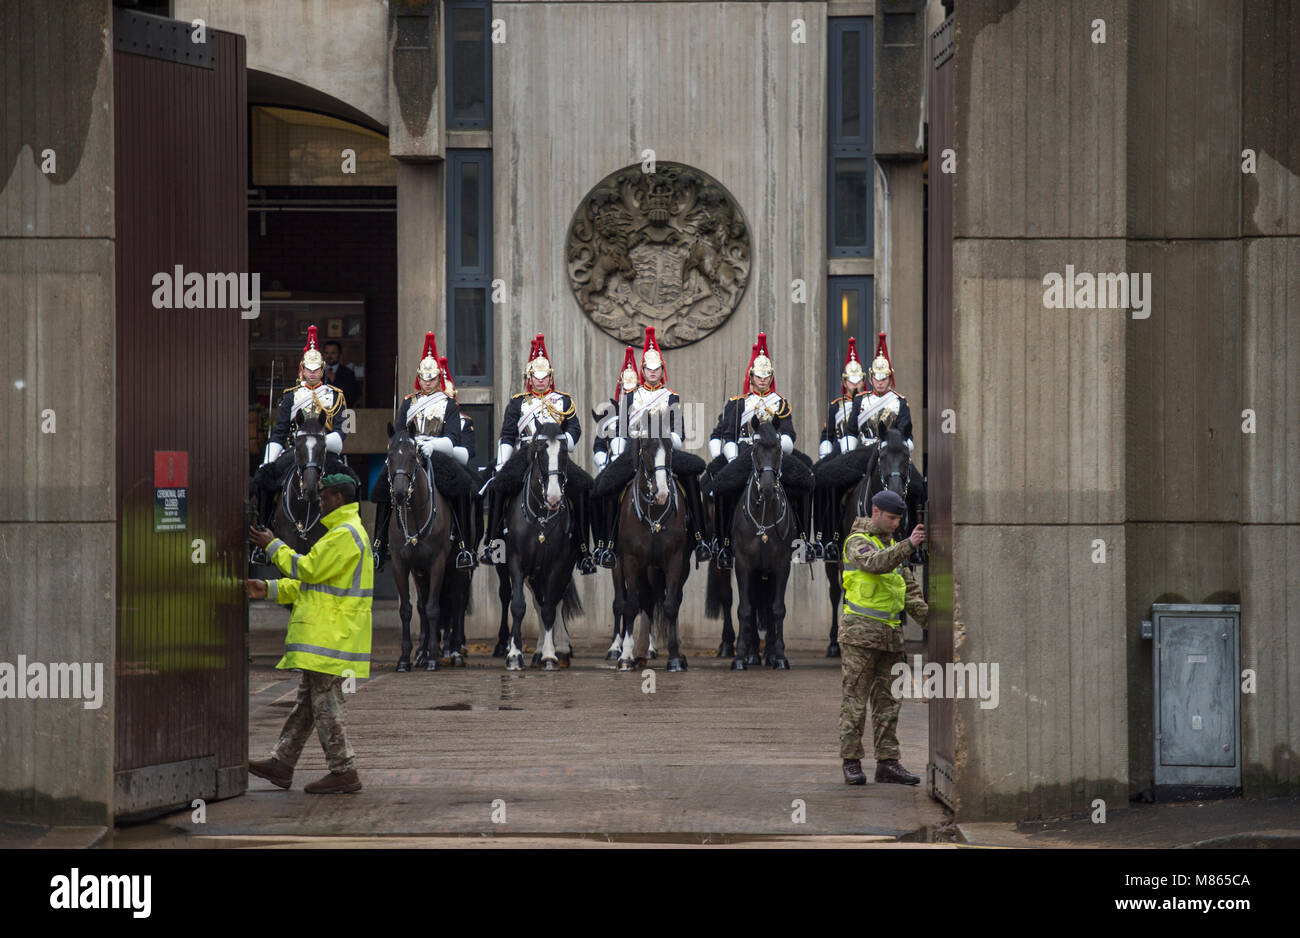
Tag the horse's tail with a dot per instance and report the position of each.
(571, 602)
(713, 592)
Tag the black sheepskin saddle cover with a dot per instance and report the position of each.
(731, 479)
(511, 477)
(617, 474)
(844, 469)
(449, 477)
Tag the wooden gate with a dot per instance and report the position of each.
(938, 399)
(182, 431)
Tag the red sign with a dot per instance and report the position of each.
(171, 469)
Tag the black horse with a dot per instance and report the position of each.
(889, 466)
(763, 530)
(540, 548)
(718, 594)
(653, 541)
(298, 512)
(420, 532)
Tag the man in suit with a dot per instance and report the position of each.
(340, 375)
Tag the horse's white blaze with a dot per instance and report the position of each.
(548, 644)
(553, 465)
(661, 477)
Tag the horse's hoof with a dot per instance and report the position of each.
(727, 650)
(833, 650)
(611, 655)
(454, 660)
(499, 651)
(432, 664)
(537, 658)
(652, 654)
(624, 664)
(677, 664)
(753, 659)
(738, 665)
(550, 664)
(421, 657)
(564, 658)
(780, 664)
(514, 662)
(403, 666)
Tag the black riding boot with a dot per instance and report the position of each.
(695, 516)
(609, 524)
(383, 514)
(596, 526)
(464, 556)
(493, 529)
(578, 506)
(806, 527)
(722, 509)
(819, 522)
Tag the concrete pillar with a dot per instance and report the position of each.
(421, 264)
(58, 531)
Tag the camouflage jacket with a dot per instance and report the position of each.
(872, 633)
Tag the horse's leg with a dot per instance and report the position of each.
(631, 609)
(432, 597)
(504, 592)
(836, 591)
(518, 607)
(422, 607)
(747, 639)
(675, 578)
(777, 582)
(401, 578)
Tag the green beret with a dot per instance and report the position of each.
(337, 478)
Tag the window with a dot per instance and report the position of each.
(469, 66)
(302, 148)
(850, 212)
(849, 313)
(469, 265)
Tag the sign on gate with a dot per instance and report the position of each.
(171, 479)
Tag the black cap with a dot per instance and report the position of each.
(889, 501)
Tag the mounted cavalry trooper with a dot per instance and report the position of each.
(653, 410)
(539, 404)
(735, 429)
(839, 436)
(433, 420)
(309, 398)
(605, 507)
(883, 408)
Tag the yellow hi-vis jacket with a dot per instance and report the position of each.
(877, 596)
(331, 589)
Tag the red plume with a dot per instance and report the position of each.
(448, 386)
(652, 343)
(753, 354)
(882, 349)
(430, 350)
(760, 348)
(540, 347)
(629, 361)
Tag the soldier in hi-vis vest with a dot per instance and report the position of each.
(330, 588)
(878, 586)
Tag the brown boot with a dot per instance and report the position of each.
(335, 784)
(273, 770)
(853, 772)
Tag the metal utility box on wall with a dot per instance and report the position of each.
(1197, 720)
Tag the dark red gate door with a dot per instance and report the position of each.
(182, 432)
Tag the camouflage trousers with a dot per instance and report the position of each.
(319, 704)
(867, 677)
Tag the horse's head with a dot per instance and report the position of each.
(654, 464)
(403, 464)
(893, 463)
(766, 454)
(309, 456)
(547, 457)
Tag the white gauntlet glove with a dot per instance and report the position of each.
(825, 449)
(334, 442)
(715, 448)
(730, 450)
(787, 444)
(503, 453)
(273, 451)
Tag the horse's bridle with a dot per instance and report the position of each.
(754, 476)
(863, 506)
(641, 507)
(401, 509)
(542, 516)
(308, 522)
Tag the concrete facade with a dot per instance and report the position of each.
(1084, 425)
(58, 536)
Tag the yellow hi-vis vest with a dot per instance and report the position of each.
(331, 589)
(878, 596)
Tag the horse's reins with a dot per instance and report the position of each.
(754, 475)
(308, 522)
(642, 511)
(401, 508)
(536, 516)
